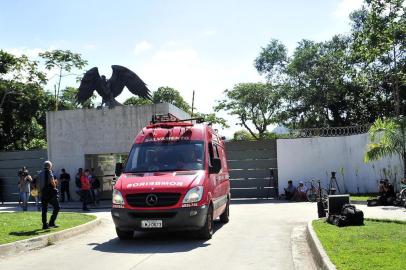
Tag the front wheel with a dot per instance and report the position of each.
(124, 235)
(208, 229)
(225, 217)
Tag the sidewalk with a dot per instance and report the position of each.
(384, 212)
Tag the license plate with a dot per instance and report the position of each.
(151, 223)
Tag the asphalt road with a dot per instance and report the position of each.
(258, 236)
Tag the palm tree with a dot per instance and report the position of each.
(388, 138)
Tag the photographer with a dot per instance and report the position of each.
(49, 195)
(386, 192)
(24, 184)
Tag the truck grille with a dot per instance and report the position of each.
(162, 199)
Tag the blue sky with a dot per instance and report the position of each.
(206, 46)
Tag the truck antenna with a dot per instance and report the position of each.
(193, 103)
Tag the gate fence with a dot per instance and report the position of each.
(10, 163)
(253, 169)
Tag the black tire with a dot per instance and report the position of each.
(124, 235)
(225, 217)
(208, 229)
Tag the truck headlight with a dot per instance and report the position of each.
(194, 195)
(117, 197)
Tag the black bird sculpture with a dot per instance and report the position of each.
(111, 88)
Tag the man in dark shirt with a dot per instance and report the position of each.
(65, 180)
(49, 195)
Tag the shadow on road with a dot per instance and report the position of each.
(156, 242)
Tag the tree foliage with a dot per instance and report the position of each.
(388, 138)
(348, 80)
(63, 61)
(379, 34)
(255, 104)
(172, 96)
(137, 101)
(23, 103)
(68, 100)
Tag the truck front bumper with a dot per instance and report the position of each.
(178, 219)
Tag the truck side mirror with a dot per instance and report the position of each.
(215, 166)
(119, 168)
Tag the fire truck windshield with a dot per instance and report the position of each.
(166, 156)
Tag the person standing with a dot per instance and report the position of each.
(78, 184)
(65, 180)
(95, 185)
(85, 189)
(49, 195)
(35, 192)
(24, 184)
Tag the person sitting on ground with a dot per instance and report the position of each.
(290, 190)
(403, 183)
(386, 192)
(300, 194)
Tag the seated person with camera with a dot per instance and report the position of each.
(290, 190)
(386, 192)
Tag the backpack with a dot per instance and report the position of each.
(353, 215)
(337, 220)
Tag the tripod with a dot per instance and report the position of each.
(333, 183)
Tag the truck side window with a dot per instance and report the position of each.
(211, 155)
(216, 151)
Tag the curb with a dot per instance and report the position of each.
(359, 202)
(46, 240)
(319, 254)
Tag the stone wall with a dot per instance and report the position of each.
(314, 158)
(72, 134)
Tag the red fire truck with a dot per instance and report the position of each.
(175, 178)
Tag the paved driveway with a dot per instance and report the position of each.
(257, 237)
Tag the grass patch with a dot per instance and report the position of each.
(22, 225)
(377, 245)
(362, 197)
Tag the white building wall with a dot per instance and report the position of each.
(72, 134)
(314, 158)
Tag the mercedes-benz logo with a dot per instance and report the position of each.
(151, 200)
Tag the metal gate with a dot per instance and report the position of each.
(104, 169)
(253, 169)
(10, 163)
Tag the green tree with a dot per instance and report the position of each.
(23, 103)
(64, 61)
(68, 100)
(320, 89)
(243, 135)
(388, 138)
(254, 104)
(272, 60)
(211, 118)
(136, 101)
(172, 96)
(379, 32)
